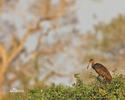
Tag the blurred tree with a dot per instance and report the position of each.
(14, 66)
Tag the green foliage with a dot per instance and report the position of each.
(80, 91)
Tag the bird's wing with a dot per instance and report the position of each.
(102, 70)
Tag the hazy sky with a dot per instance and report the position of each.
(105, 10)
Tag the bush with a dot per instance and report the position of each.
(80, 91)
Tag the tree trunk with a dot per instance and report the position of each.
(8, 60)
(1, 83)
(1, 88)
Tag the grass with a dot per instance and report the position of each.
(78, 91)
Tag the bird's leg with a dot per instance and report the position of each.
(104, 81)
(98, 78)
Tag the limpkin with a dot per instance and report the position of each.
(100, 69)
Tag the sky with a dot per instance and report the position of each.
(104, 10)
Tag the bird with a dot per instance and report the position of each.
(100, 69)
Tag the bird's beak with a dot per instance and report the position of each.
(88, 65)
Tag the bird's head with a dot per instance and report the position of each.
(91, 61)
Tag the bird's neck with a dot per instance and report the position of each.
(92, 65)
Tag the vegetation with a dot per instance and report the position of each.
(78, 91)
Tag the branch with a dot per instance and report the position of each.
(4, 59)
(3, 54)
(19, 48)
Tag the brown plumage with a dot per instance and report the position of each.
(100, 69)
